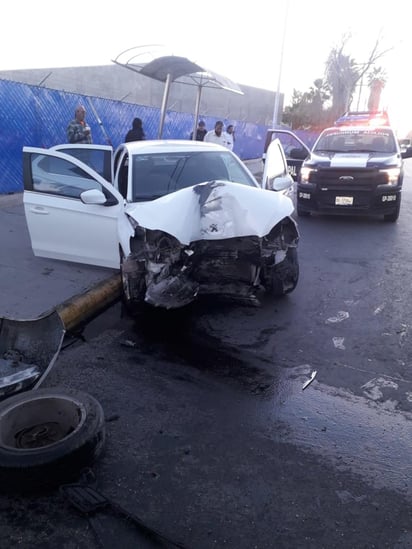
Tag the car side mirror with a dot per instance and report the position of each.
(280, 183)
(407, 153)
(93, 196)
(298, 153)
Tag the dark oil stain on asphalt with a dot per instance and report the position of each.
(174, 335)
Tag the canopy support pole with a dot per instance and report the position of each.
(164, 104)
(197, 108)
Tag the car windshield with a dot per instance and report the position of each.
(352, 140)
(155, 175)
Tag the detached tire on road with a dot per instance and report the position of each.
(47, 436)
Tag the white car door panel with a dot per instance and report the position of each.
(61, 226)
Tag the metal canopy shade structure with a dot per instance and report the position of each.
(172, 68)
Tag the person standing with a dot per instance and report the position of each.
(230, 137)
(78, 131)
(201, 131)
(136, 133)
(217, 135)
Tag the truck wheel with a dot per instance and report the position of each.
(47, 436)
(395, 215)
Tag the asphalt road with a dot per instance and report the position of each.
(211, 438)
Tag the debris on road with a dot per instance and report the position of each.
(28, 351)
(309, 381)
(342, 315)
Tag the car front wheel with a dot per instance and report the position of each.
(133, 282)
(281, 279)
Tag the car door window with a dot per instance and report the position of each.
(58, 176)
(98, 158)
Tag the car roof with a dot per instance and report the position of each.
(171, 145)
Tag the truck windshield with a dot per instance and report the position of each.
(352, 140)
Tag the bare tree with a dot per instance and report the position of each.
(343, 73)
(376, 83)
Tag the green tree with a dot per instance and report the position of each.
(307, 109)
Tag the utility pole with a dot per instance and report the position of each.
(275, 120)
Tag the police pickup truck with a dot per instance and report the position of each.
(354, 168)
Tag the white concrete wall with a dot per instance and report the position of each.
(116, 82)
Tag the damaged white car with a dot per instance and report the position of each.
(181, 219)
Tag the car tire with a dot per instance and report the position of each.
(283, 278)
(47, 436)
(134, 287)
(391, 218)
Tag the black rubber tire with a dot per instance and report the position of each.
(287, 278)
(391, 218)
(134, 285)
(47, 436)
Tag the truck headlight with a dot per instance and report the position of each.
(392, 175)
(305, 174)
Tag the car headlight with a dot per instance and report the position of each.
(392, 175)
(305, 174)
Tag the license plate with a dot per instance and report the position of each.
(344, 201)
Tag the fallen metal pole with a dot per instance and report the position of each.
(83, 307)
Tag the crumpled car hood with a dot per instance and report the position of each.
(213, 210)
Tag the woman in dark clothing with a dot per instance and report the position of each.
(137, 133)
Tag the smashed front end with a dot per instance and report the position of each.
(226, 247)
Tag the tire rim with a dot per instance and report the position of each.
(41, 422)
(43, 434)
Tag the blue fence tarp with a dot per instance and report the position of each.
(38, 117)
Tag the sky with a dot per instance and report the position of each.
(272, 44)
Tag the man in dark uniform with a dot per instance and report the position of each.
(201, 131)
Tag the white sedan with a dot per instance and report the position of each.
(180, 218)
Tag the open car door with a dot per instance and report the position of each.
(276, 176)
(294, 149)
(72, 212)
